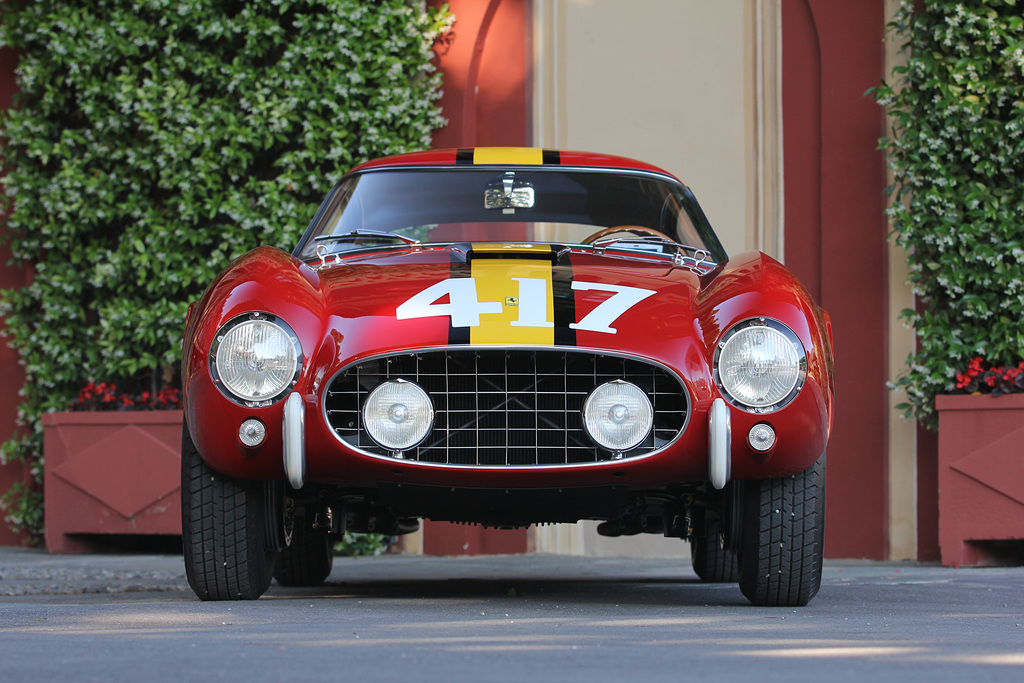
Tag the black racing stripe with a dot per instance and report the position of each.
(459, 268)
(463, 157)
(551, 156)
(564, 302)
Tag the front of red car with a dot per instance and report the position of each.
(509, 337)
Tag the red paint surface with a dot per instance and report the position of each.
(336, 324)
(836, 242)
(679, 327)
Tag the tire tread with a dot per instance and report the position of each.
(782, 548)
(307, 561)
(713, 562)
(222, 531)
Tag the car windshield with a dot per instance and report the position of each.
(558, 206)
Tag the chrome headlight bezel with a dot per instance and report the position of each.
(795, 372)
(286, 377)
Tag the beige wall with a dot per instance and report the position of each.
(689, 85)
(902, 433)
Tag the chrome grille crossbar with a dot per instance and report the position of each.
(496, 407)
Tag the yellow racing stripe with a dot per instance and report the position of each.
(523, 286)
(508, 155)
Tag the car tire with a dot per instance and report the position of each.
(307, 561)
(712, 561)
(228, 550)
(783, 530)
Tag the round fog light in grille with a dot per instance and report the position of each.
(761, 437)
(252, 432)
(618, 416)
(398, 415)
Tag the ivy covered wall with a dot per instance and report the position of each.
(153, 141)
(957, 154)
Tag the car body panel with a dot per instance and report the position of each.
(405, 298)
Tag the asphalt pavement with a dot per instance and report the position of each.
(504, 618)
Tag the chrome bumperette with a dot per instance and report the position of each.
(719, 444)
(294, 446)
(516, 407)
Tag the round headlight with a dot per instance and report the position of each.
(398, 415)
(618, 416)
(255, 359)
(760, 364)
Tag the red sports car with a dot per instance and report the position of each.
(506, 337)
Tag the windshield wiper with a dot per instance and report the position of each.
(356, 234)
(698, 261)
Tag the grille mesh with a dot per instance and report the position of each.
(506, 407)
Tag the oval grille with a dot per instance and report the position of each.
(496, 407)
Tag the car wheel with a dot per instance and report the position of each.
(713, 562)
(783, 530)
(226, 538)
(308, 559)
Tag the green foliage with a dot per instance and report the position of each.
(353, 545)
(957, 152)
(24, 509)
(153, 141)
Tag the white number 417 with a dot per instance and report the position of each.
(465, 308)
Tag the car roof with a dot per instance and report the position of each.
(509, 156)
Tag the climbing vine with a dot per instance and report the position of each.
(957, 154)
(152, 141)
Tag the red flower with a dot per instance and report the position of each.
(106, 396)
(981, 377)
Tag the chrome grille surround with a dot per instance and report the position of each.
(518, 407)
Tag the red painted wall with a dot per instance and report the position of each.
(835, 232)
(927, 495)
(487, 64)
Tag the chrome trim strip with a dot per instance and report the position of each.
(294, 446)
(512, 468)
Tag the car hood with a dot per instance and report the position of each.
(509, 295)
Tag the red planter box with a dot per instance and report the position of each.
(110, 473)
(981, 476)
